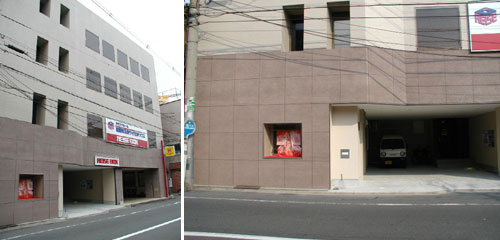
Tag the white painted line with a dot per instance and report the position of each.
(344, 203)
(147, 229)
(238, 236)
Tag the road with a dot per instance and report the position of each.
(242, 215)
(156, 220)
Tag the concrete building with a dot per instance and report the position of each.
(334, 77)
(79, 113)
(171, 123)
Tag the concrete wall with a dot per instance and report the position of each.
(73, 191)
(171, 122)
(32, 149)
(482, 154)
(371, 25)
(108, 186)
(345, 133)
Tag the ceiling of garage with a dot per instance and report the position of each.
(374, 111)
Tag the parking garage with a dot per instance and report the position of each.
(439, 139)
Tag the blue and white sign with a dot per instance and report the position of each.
(189, 128)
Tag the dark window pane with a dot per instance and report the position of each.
(137, 99)
(152, 139)
(148, 104)
(122, 59)
(92, 41)
(438, 28)
(145, 73)
(93, 80)
(134, 67)
(94, 126)
(125, 94)
(108, 50)
(110, 87)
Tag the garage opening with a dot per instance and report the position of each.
(437, 137)
(436, 142)
(87, 190)
(140, 184)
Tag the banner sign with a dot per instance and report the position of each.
(122, 133)
(289, 142)
(484, 27)
(169, 151)
(107, 161)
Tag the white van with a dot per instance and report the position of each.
(393, 151)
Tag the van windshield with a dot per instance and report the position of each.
(392, 144)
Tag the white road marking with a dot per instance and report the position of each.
(238, 236)
(147, 229)
(344, 203)
(84, 223)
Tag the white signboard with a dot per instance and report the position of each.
(107, 161)
(122, 133)
(484, 27)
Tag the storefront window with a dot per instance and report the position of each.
(283, 140)
(30, 187)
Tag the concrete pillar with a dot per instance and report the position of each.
(60, 185)
(151, 179)
(119, 186)
(108, 186)
(346, 134)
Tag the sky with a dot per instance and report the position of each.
(159, 25)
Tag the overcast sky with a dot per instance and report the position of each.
(159, 24)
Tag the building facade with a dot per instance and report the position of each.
(298, 94)
(171, 122)
(79, 113)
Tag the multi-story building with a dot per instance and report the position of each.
(298, 94)
(79, 113)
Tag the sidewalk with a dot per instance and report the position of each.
(398, 181)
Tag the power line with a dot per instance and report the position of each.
(172, 68)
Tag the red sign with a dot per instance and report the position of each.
(289, 142)
(107, 161)
(25, 189)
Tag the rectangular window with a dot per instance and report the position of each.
(152, 139)
(125, 94)
(134, 67)
(108, 51)
(92, 41)
(438, 28)
(294, 16)
(45, 7)
(340, 24)
(62, 115)
(38, 114)
(30, 187)
(110, 87)
(64, 17)
(145, 73)
(283, 140)
(94, 126)
(137, 99)
(122, 59)
(148, 104)
(63, 60)
(93, 80)
(42, 50)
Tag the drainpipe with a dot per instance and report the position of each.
(164, 169)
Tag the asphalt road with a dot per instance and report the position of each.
(214, 215)
(156, 220)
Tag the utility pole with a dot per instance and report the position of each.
(190, 89)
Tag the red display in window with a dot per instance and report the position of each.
(289, 143)
(25, 189)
